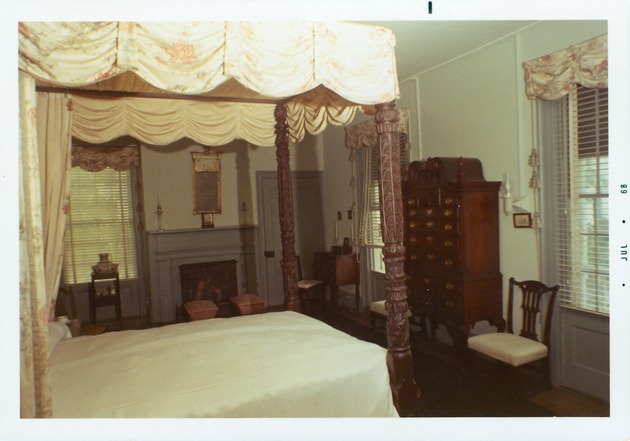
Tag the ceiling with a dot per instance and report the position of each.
(421, 45)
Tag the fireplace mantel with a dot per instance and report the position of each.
(168, 249)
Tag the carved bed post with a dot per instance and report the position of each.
(285, 199)
(399, 357)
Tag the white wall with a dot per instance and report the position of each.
(470, 108)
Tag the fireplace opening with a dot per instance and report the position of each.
(214, 281)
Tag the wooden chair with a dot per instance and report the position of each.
(66, 306)
(65, 299)
(525, 348)
(307, 286)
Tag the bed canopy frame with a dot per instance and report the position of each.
(266, 83)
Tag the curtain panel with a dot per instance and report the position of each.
(553, 76)
(54, 118)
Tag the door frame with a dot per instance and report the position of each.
(260, 258)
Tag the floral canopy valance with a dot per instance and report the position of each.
(323, 72)
(553, 76)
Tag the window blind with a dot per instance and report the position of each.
(583, 202)
(100, 220)
(370, 234)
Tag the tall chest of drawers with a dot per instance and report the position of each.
(452, 244)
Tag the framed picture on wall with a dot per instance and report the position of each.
(522, 220)
(206, 185)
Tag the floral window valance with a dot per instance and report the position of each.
(552, 76)
(364, 134)
(95, 159)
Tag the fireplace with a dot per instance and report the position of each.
(215, 281)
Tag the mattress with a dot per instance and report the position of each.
(278, 364)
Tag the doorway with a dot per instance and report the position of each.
(308, 228)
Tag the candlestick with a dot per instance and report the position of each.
(159, 212)
(244, 213)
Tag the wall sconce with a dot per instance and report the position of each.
(506, 194)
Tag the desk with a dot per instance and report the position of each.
(337, 270)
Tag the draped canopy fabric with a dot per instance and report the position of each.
(324, 72)
(552, 76)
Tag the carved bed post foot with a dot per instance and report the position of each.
(406, 395)
(285, 199)
(399, 357)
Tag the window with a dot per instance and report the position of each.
(583, 273)
(100, 221)
(370, 234)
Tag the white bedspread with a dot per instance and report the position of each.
(281, 364)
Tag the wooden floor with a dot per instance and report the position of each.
(559, 402)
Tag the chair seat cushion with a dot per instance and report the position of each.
(308, 284)
(509, 348)
(379, 308)
(200, 309)
(248, 304)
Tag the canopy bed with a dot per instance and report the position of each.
(266, 83)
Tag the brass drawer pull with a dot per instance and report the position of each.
(450, 303)
(448, 243)
(448, 201)
(412, 225)
(429, 238)
(448, 227)
(430, 256)
(429, 211)
(450, 286)
(448, 212)
(448, 262)
(413, 257)
(413, 239)
(411, 202)
(429, 224)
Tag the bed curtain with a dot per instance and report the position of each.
(43, 194)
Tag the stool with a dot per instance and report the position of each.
(378, 310)
(200, 309)
(247, 304)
